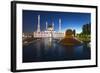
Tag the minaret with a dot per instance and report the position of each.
(52, 22)
(59, 25)
(53, 25)
(46, 25)
(38, 27)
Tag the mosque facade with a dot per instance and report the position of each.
(49, 32)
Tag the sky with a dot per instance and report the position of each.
(69, 20)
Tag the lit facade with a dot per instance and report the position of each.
(49, 32)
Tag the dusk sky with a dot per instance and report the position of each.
(70, 20)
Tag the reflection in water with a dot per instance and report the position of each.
(49, 49)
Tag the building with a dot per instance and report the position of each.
(49, 32)
(86, 29)
(27, 35)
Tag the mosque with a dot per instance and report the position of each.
(49, 32)
(68, 38)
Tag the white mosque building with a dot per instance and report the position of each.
(49, 32)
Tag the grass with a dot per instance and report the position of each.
(84, 37)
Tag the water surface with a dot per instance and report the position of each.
(49, 49)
